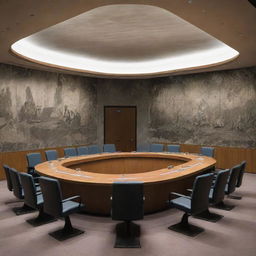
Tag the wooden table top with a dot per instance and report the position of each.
(59, 168)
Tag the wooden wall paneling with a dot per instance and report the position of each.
(226, 156)
(18, 159)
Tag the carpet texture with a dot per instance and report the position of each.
(233, 235)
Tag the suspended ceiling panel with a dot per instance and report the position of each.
(231, 22)
(125, 40)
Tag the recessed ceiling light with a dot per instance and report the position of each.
(125, 40)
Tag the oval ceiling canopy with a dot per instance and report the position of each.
(124, 40)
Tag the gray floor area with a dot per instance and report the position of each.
(234, 235)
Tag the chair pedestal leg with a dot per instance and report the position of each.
(223, 206)
(185, 228)
(127, 235)
(23, 210)
(67, 232)
(41, 219)
(208, 216)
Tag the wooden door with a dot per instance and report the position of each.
(120, 127)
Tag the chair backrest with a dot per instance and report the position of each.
(70, 152)
(16, 185)
(34, 159)
(51, 155)
(200, 194)
(29, 189)
(109, 148)
(173, 148)
(127, 201)
(8, 177)
(219, 186)
(156, 148)
(234, 173)
(81, 151)
(241, 174)
(93, 149)
(207, 151)
(52, 196)
(143, 148)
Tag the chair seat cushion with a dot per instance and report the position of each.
(70, 207)
(182, 203)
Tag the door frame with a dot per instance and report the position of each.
(113, 106)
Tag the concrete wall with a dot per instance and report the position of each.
(42, 109)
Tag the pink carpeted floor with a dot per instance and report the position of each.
(234, 235)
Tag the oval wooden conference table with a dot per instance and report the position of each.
(91, 176)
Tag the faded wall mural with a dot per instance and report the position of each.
(43, 109)
(217, 108)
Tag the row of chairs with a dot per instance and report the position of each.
(35, 158)
(44, 194)
(208, 190)
(207, 151)
(127, 202)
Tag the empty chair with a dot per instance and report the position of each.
(70, 152)
(239, 180)
(173, 148)
(156, 148)
(33, 159)
(55, 206)
(34, 199)
(230, 188)
(19, 193)
(143, 148)
(216, 196)
(111, 148)
(51, 155)
(81, 151)
(196, 203)
(8, 177)
(207, 151)
(127, 205)
(94, 149)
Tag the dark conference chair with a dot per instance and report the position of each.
(69, 152)
(94, 149)
(82, 151)
(173, 148)
(8, 177)
(197, 203)
(207, 151)
(230, 188)
(216, 196)
(156, 148)
(55, 206)
(127, 205)
(19, 193)
(51, 155)
(33, 159)
(34, 199)
(110, 148)
(239, 181)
